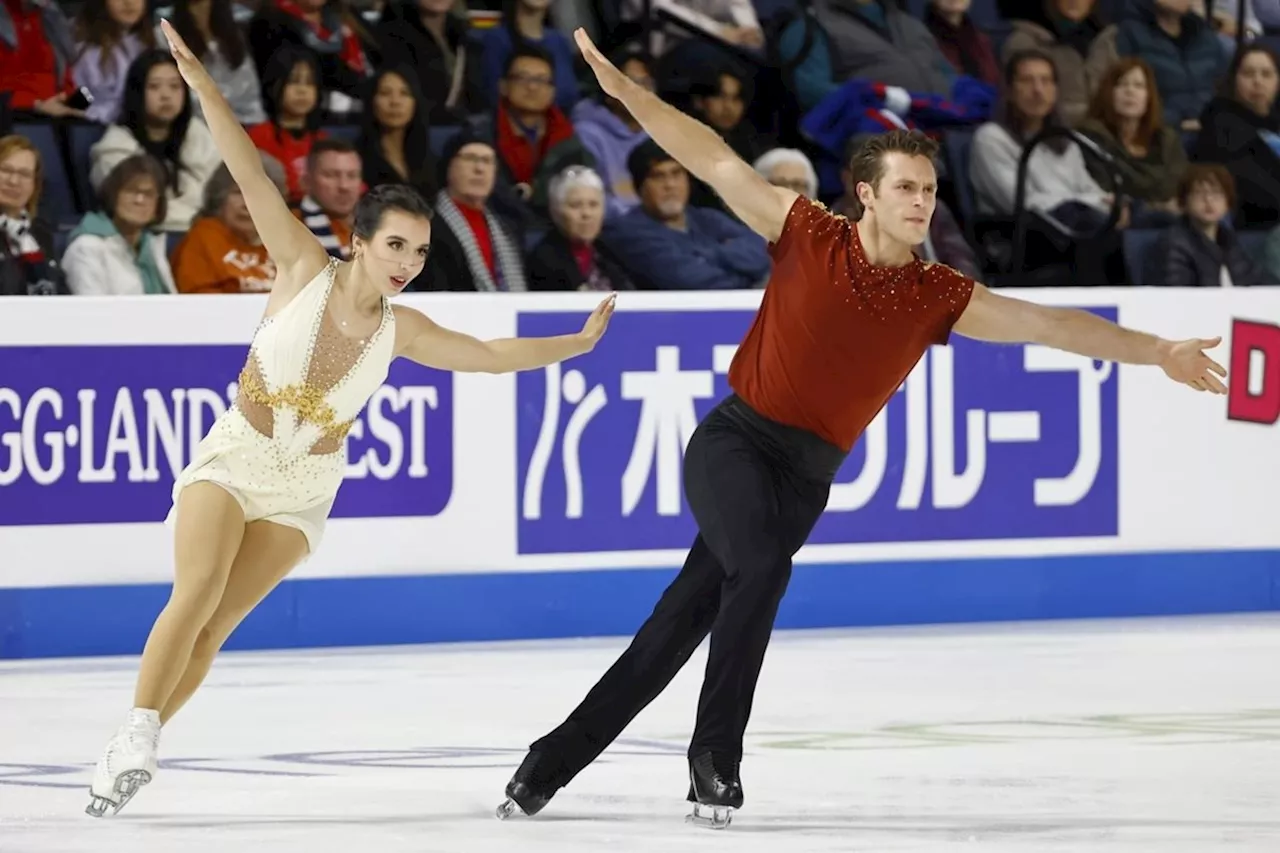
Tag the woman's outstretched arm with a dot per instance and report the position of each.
(287, 240)
(422, 340)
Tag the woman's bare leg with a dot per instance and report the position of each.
(210, 526)
(267, 554)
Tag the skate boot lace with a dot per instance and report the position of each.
(142, 736)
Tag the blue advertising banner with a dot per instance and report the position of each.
(96, 434)
(981, 442)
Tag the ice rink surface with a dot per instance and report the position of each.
(1109, 737)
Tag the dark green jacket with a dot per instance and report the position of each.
(1152, 178)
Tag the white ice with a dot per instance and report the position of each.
(1144, 735)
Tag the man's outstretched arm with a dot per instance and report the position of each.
(758, 203)
(991, 317)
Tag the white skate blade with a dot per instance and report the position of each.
(126, 785)
(711, 817)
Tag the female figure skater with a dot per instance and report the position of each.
(253, 502)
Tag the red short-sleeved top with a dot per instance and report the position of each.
(836, 336)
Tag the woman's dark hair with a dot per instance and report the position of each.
(518, 40)
(95, 27)
(706, 82)
(1227, 87)
(417, 143)
(353, 20)
(125, 172)
(275, 76)
(1009, 117)
(374, 204)
(133, 113)
(222, 25)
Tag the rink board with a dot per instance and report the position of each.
(1001, 482)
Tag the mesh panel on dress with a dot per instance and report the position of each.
(333, 356)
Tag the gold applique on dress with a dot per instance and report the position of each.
(332, 357)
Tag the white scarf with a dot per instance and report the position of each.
(38, 274)
(18, 233)
(506, 256)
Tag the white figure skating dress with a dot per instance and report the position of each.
(280, 449)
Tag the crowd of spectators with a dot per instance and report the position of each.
(1154, 122)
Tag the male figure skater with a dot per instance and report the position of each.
(847, 313)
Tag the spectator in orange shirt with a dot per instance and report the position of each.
(291, 97)
(222, 252)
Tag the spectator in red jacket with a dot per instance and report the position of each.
(291, 97)
(36, 52)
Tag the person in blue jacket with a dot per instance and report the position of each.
(526, 22)
(1181, 49)
(667, 245)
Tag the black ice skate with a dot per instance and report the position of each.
(714, 790)
(527, 789)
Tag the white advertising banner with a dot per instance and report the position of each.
(985, 451)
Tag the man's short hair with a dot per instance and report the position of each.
(867, 161)
(643, 158)
(528, 51)
(1207, 173)
(329, 145)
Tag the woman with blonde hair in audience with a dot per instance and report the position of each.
(156, 119)
(570, 257)
(223, 253)
(1126, 119)
(27, 265)
(116, 252)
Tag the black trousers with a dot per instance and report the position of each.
(756, 489)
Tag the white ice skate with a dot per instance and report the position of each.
(128, 763)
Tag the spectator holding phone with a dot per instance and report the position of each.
(109, 36)
(36, 52)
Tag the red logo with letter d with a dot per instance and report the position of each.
(1254, 394)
